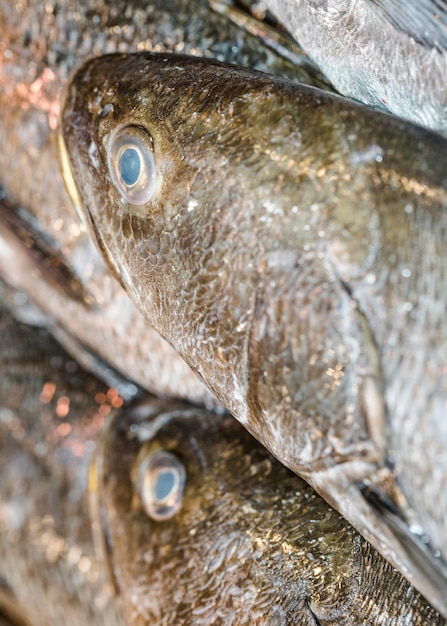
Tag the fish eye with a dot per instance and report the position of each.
(132, 165)
(161, 483)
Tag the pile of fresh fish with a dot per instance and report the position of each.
(287, 243)
(195, 522)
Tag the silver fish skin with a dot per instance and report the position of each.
(40, 45)
(251, 543)
(290, 245)
(381, 52)
(50, 419)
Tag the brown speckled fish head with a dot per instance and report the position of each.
(201, 525)
(290, 245)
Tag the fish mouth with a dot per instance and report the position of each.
(72, 188)
(69, 179)
(98, 516)
(82, 209)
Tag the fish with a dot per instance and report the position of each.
(51, 416)
(44, 249)
(380, 52)
(109, 509)
(201, 525)
(289, 244)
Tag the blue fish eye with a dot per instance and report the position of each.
(131, 164)
(164, 484)
(161, 483)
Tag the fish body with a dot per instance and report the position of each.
(50, 420)
(289, 244)
(381, 52)
(41, 44)
(251, 543)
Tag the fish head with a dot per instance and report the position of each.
(198, 521)
(254, 222)
(222, 545)
(188, 170)
(196, 132)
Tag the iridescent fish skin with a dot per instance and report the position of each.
(41, 44)
(251, 544)
(51, 413)
(292, 251)
(381, 52)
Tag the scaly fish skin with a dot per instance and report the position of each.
(290, 245)
(41, 44)
(251, 542)
(379, 52)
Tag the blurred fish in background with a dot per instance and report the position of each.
(386, 53)
(51, 413)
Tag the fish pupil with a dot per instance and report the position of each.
(164, 485)
(130, 166)
(161, 485)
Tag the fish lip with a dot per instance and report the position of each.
(98, 513)
(83, 211)
(69, 178)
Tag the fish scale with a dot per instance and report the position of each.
(39, 51)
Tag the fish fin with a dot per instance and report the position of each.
(95, 364)
(37, 247)
(416, 546)
(425, 21)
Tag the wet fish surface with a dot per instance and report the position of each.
(51, 413)
(241, 541)
(41, 44)
(244, 540)
(381, 52)
(290, 245)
